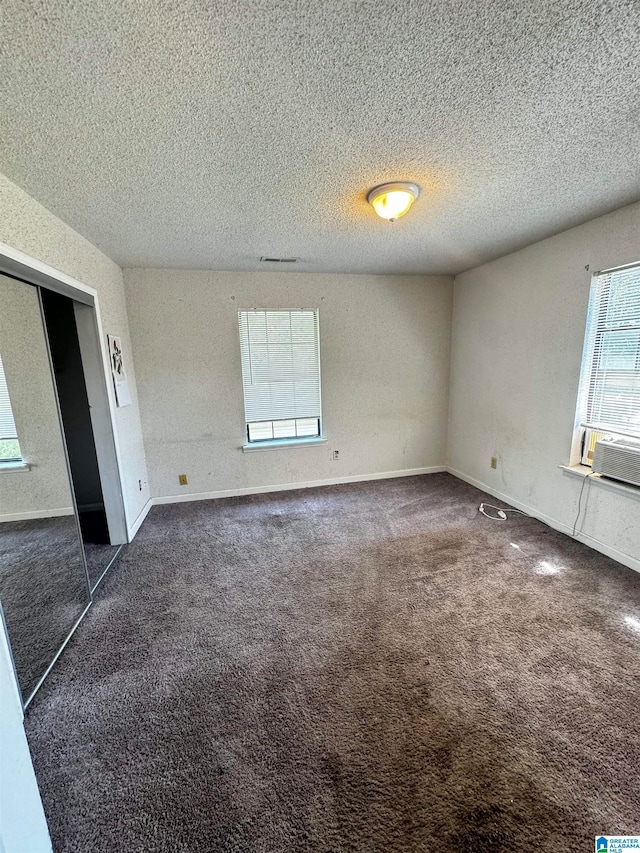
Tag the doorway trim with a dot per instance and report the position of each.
(21, 266)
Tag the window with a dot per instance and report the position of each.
(609, 400)
(281, 375)
(9, 446)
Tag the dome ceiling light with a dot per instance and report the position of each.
(393, 200)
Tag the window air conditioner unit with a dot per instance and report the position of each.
(618, 458)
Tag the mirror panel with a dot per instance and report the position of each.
(43, 580)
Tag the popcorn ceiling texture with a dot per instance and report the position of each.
(203, 135)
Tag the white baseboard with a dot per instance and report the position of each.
(596, 544)
(133, 529)
(282, 487)
(38, 513)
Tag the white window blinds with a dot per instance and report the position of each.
(611, 371)
(280, 364)
(7, 424)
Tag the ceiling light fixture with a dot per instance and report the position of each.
(391, 201)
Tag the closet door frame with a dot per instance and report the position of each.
(101, 393)
(95, 361)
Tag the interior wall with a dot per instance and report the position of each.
(26, 225)
(518, 335)
(23, 826)
(384, 349)
(43, 490)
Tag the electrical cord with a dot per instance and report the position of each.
(575, 523)
(501, 512)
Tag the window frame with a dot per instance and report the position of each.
(10, 461)
(586, 431)
(291, 441)
(317, 434)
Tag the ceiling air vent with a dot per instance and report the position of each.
(265, 260)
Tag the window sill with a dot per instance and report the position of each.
(583, 471)
(14, 467)
(282, 443)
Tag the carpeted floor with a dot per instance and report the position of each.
(98, 557)
(43, 589)
(371, 667)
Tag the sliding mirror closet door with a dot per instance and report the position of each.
(78, 413)
(43, 580)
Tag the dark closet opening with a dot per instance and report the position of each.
(61, 328)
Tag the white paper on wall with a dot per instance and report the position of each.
(120, 381)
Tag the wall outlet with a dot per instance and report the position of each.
(494, 461)
(336, 455)
(182, 479)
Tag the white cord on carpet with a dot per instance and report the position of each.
(502, 512)
(575, 523)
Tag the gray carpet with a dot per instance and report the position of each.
(372, 667)
(98, 557)
(43, 589)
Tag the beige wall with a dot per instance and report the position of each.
(384, 343)
(23, 826)
(29, 227)
(518, 335)
(44, 489)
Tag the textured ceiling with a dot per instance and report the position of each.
(203, 134)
